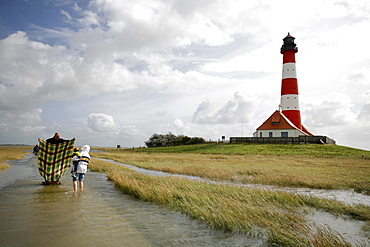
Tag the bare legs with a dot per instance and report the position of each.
(75, 185)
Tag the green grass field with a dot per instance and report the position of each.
(264, 149)
(291, 165)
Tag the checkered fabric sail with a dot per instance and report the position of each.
(54, 159)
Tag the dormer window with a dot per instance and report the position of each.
(275, 120)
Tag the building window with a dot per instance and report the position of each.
(260, 134)
(284, 134)
(270, 134)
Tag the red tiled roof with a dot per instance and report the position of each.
(278, 121)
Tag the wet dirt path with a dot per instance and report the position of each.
(36, 215)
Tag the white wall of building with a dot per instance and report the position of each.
(277, 133)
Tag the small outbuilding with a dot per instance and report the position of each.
(278, 125)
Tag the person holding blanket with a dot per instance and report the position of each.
(54, 158)
(84, 160)
(55, 139)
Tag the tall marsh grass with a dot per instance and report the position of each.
(11, 153)
(306, 170)
(278, 215)
(4, 166)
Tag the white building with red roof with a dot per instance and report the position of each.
(278, 125)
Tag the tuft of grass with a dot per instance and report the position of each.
(278, 215)
(4, 166)
(12, 153)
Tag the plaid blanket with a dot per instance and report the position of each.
(54, 159)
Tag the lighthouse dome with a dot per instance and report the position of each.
(288, 44)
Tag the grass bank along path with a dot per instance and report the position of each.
(280, 216)
(8, 153)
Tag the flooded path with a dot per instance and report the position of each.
(36, 215)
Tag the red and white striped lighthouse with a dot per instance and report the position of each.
(286, 122)
(289, 101)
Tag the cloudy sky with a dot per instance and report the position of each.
(114, 72)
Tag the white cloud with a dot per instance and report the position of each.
(29, 122)
(32, 72)
(333, 110)
(26, 118)
(178, 123)
(66, 14)
(259, 60)
(33, 129)
(99, 122)
(364, 112)
(4, 128)
(238, 110)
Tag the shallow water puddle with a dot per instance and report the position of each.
(348, 228)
